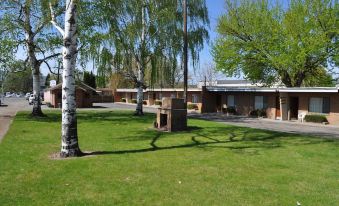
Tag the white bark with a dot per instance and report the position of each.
(36, 93)
(140, 93)
(69, 144)
(141, 65)
(34, 63)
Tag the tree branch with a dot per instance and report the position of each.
(49, 57)
(53, 21)
(49, 68)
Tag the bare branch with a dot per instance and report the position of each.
(49, 68)
(49, 57)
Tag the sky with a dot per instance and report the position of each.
(215, 9)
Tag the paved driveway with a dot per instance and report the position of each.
(8, 109)
(328, 131)
(123, 106)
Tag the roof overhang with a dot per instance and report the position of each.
(310, 90)
(161, 90)
(240, 89)
(262, 89)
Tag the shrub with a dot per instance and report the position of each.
(231, 110)
(144, 102)
(192, 106)
(123, 100)
(158, 102)
(254, 113)
(258, 113)
(261, 112)
(48, 104)
(134, 101)
(315, 118)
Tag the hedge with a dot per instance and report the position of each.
(192, 106)
(231, 110)
(158, 102)
(258, 113)
(134, 101)
(123, 100)
(315, 118)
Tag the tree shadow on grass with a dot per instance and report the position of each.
(122, 117)
(246, 139)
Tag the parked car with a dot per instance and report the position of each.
(31, 99)
(8, 94)
(27, 95)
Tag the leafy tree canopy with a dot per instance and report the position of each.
(269, 43)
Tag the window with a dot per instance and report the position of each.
(230, 101)
(319, 104)
(260, 102)
(195, 98)
(173, 95)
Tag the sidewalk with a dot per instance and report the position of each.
(8, 110)
(295, 127)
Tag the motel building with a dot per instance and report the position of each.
(279, 103)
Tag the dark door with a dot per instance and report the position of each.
(294, 105)
(218, 102)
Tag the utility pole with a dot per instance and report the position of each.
(185, 51)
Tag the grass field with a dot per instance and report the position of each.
(212, 164)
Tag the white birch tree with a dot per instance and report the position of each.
(69, 142)
(25, 22)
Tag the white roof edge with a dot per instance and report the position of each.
(258, 89)
(158, 90)
(245, 89)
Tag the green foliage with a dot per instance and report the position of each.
(48, 104)
(19, 81)
(138, 37)
(134, 101)
(268, 43)
(321, 78)
(315, 118)
(123, 100)
(192, 106)
(89, 79)
(258, 113)
(47, 80)
(138, 163)
(231, 110)
(158, 102)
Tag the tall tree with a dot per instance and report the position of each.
(18, 81)
(69, 143)
(185, 50)
(145, 32)
(26, 23)
(271, 42)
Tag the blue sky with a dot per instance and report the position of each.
(215, 9)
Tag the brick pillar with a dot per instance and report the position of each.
(284, 105)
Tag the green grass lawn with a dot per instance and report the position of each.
(212, 164)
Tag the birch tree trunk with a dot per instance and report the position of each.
(34, 63)
(69, 144)
(36, 92)
(141, 65)
(140, 92)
